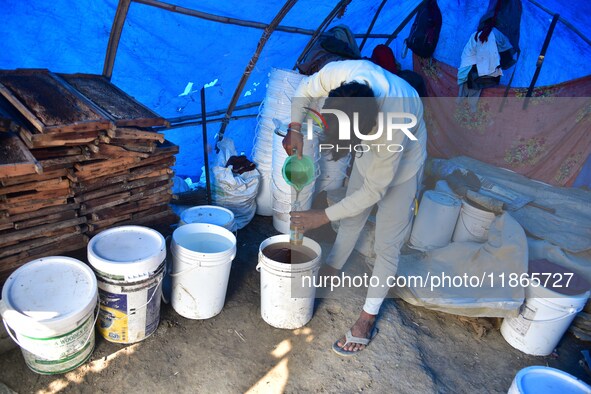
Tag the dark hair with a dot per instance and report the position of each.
(351, 97)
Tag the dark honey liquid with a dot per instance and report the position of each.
(284, 252)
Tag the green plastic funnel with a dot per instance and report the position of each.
(298, 172)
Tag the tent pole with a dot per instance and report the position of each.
(336, 10)
(540, 61)
(373, 22)
(205, 150)
(566, 23)
(114, 37)
(253, 61)
(402, 25)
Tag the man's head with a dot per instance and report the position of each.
(351, 98)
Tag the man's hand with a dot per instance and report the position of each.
(293, 140)
(309, 220)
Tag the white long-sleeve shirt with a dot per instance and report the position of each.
(379, 167)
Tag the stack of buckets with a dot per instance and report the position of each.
(332, 172)
(275, 111)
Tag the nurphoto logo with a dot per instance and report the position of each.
(386, 123)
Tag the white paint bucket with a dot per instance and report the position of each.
(473, 224)
(129, 264)
(265, 195)
(546, 380)
(278, 307)
(547, 312)
(436, 220)
(202, 256)
(209, 214)
(332, 172)
(48, 304)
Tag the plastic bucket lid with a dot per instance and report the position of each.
(132, 252)
(209, 214)
(47, 295)
(546, 380)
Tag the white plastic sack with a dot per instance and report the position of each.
(236, 192)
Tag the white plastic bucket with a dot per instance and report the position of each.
(546, 314)
(47, 306)
(202, 256)
(278, 307)
(473, 224)
(332, 172)
(265, 196)
(129, 265)
(436, 220)
(546, 380)
(209, 214)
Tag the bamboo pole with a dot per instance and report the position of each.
(211, 113)
(373, 22)
(253, 61)
(114, 37)
(236, 21)
(402, 25)
(561, 19)
(338, 8)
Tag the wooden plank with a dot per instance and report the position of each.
(22, 198)
(120, 187)
(51, 103)
(21, 107)
(34, 141)
(120, 198)
(35, 186)
(126, 133)
(146, 146)
(53, 218)
(100, 225)
(56, 152)
(31, 244)
(104, 165)
(121, 108)
(74, 242)
(6, 226)
(114, 151)
(83, 186)
(33, 232)
(62, 162)
(34, 205)
(152, 211)
(166, 148)
(130, 207)
(15, 157)
(47, 175)
(42, 212)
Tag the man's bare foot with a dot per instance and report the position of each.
(361, 329)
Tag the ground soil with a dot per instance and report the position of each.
(416, 351)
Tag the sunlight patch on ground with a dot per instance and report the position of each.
(77, 376)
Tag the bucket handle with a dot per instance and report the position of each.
(571, 311)
(9, 329)
(147, 303)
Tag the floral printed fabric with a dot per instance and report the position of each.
(548, 138)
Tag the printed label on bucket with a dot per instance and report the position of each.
(129, 317)
(522, 323)
(59, 354)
